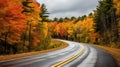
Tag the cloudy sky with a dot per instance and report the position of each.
(68, 8)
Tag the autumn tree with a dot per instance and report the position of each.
(21, 29)
(31, 10)
(74, 29)
(11, 24)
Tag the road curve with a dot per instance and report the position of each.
(75, 55)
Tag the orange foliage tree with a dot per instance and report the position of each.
(11, 22)
(21, 29)
(77, 29)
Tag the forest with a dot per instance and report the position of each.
(25, 26)
(100, 27)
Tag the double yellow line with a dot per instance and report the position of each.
(62, 63)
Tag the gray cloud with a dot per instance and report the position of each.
(68, 8)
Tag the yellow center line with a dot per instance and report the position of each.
(62, 63)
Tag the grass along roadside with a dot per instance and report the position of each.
(55, 44)
(115, 52)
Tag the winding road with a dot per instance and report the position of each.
(75, 55)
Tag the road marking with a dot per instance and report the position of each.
(90, 60)
(62, 63)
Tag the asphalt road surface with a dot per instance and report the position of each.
(75, 55)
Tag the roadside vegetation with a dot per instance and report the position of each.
(55, 45)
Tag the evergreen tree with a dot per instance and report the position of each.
(66, 18)
(44, 14)
(60, 20)
(73, 17)
(83, 17)
(91, 14)
(55, 19)
(105, 19)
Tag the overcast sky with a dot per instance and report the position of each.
(68, 8)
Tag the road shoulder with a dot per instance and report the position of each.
(115, 52)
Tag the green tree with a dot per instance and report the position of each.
(73, 17)
(56, 19)
(83, 17)
(66, 18)
(105, 19)
(60, 20)
(44, 13)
